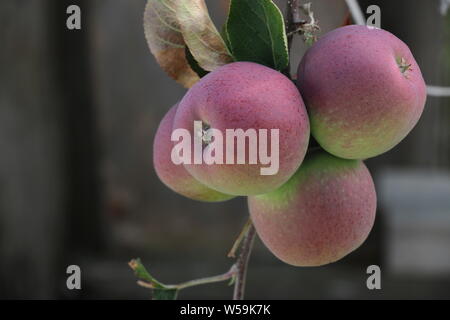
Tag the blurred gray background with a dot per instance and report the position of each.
(78, 113)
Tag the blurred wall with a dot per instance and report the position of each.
(31, 152)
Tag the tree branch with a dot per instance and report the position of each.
(242, 263)
(237, 243)
(237, 273)
(293, 20)
(296, 24)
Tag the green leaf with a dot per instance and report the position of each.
(141, 273)
(194, 64)
(165, 40)
(165, 294)
(200, 34)
(256, 32)
(159, 290)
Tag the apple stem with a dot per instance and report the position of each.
(403, 65)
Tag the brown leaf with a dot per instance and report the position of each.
(164, 37)
(200, 34)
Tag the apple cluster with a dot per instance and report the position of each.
(359, 92)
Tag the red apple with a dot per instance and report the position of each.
(174, 176)
(363, 89)
(247, 96)
(324, 212)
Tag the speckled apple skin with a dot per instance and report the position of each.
(360, 103)
(324, 212)
(244, 95)
(174, 176)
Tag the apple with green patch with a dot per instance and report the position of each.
(324, 212)
(363, 90)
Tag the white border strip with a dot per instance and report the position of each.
(445, 5)
(356, 12)
(435, 91)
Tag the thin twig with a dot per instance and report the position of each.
(197, 282)
(226, 276)
(242, 263)
(244, 231)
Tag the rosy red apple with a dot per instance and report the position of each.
(363, 90)
(247, 96)
(174, 176)
(324, 212)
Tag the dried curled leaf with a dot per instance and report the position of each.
(201, 36)
(164, 37)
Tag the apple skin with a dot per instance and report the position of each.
(246, 95)
(175, 176)
(324, 212)
(359, 101)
